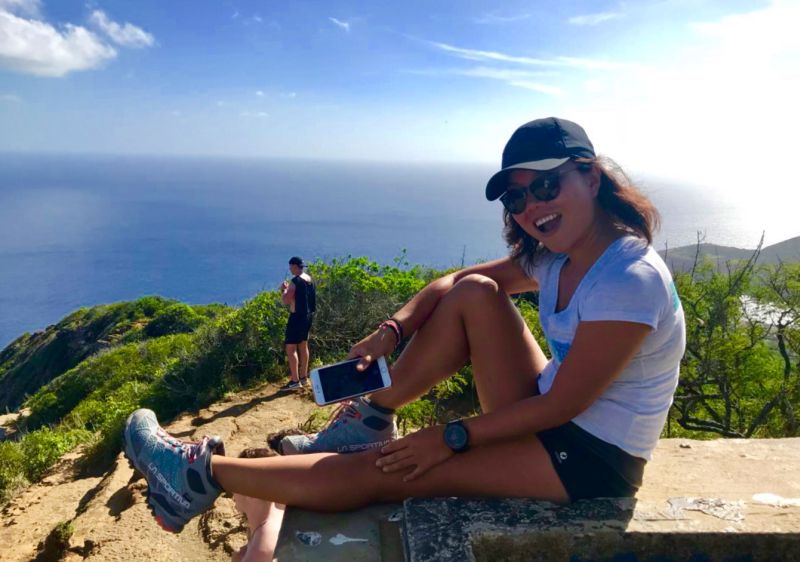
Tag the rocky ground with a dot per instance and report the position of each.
(108, 516)
(109, 521)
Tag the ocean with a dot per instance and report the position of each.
(82, 230)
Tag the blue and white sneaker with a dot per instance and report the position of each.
(356, 426)
(178, 473)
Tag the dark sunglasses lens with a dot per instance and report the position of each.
(514, 200)
(546, 188)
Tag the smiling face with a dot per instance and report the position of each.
(562, 223)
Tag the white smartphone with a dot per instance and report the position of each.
(340, 381)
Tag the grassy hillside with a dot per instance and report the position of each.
(33, 360)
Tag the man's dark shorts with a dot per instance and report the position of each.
(297, 328)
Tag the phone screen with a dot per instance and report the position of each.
(340, 381)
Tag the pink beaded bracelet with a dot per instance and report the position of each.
(395, 327)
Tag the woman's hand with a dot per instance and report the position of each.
(423, 450)
(380, 342)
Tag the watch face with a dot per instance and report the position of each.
(456, 437)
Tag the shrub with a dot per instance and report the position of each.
(12, 468)
(43, 447)
(178, 318)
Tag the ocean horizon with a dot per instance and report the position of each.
(84, 230)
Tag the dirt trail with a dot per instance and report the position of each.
(109, 519)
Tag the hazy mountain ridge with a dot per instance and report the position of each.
(683, 257)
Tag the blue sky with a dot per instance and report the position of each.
(694, 89)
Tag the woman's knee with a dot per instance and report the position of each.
(474, 287)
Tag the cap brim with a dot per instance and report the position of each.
(497, 183)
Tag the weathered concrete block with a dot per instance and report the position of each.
(606, 530)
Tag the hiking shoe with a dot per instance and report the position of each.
(291, 385)
(178, 473)
(356, 426)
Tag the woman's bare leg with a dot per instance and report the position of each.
(475, 320)
(325, 481)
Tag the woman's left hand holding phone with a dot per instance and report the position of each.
(380, 342)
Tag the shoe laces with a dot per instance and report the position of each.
(340, 415)
(189, 448)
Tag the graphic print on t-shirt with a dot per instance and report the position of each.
(558, 349)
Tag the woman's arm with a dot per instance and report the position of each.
(599, 353)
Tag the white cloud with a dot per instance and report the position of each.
(341, 23)
(493, 19)
(594, 19)
(289, 95)
(495, 56)
(36, 47)
(10, 98)
(260, 93)
(536, 87)
(257, 114)
(126, 35)
(526, 79)
(31, 45)
(29, 8)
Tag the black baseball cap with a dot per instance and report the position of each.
(294, 260)
(543, 144)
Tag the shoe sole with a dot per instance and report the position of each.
(154, 508)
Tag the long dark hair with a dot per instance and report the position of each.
(629, 208)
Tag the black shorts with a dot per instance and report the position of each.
(297, 328)
(590, 467)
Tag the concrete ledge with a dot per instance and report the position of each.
(371, 534)
(725, 500)
(702, 501)
(459, 529)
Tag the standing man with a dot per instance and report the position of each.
(301, 297)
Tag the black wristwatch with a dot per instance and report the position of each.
(456, 436)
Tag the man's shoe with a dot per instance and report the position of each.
(356, 426)
(291, 386)
(178, 473)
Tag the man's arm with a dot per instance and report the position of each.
(287, 294)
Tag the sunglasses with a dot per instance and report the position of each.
(545, 188)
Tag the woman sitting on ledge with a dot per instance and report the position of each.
(579, 425)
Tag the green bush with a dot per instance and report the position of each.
(43, 447)
(178, 318)
(12, 468)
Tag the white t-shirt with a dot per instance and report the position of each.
(628, 282)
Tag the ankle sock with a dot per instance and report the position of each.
(381, 409)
